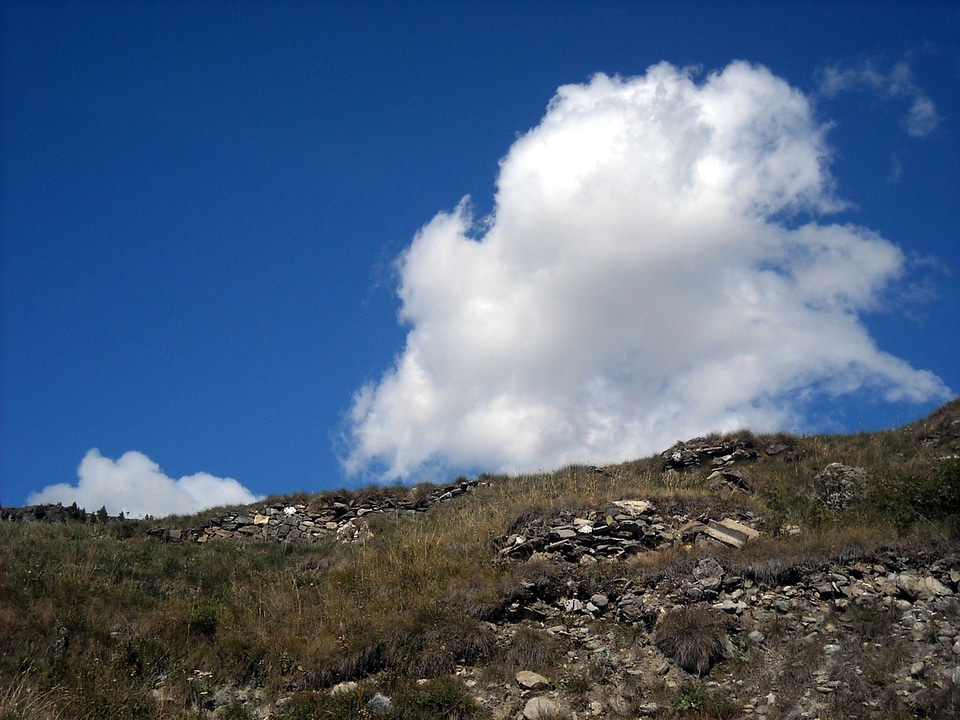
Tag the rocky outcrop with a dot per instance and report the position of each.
(326, 517)
(624, 528)
(701, 451)
(839, 487)
(798, 640)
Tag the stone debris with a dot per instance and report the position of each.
(339, 518)
(700, 451)
(832, 613)
(625, 528)
(328, 517)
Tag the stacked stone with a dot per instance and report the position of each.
(626, 527)
(337, 517)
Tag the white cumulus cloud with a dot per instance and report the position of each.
(653, 269)
(136, 486)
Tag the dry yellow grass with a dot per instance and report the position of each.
(95, 617)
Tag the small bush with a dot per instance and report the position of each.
(695, 637)
(235, 711)
(312, 706)
(530, 649)
(940, 702)
(203, 621)
(928, 498)
(696, 700)
(443, 697)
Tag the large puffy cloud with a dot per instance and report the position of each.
(652, 269)
(136, 486)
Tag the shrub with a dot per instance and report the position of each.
(443, 697)
(927, 497)
(695, 637)
(940, 702)
(203, 621)
(341, 706)
(696, 700)
(530, 649)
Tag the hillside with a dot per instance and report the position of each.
(735, 576)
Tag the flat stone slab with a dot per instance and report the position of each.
(728, 536)
(741, 528)
(529, 680)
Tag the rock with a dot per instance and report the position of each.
(343, 688)
(724, 535)
(353, 531)
(691, 529)
(600, 600)
(737, 479)
(380, 704)
(838, 486)
(634, 507)
(935, 587)
(739, 527)
(220, 698)
(529, 680)
(708, 568)
(729, 606)
(539, 708)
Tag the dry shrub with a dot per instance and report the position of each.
(529, 649)
(443, 697)
(697, 700)
(940, 702)
(429, 643)
(695, 637)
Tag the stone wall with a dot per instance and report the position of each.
(323, 517)
(326, 517)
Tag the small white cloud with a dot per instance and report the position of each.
(647, 275)
(136, 486)
(922, 117)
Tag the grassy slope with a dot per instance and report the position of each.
(104, 621)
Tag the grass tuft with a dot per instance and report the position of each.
(694, 637)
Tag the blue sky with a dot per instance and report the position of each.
(237, 258)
